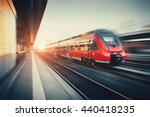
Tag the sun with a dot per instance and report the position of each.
(41, 47)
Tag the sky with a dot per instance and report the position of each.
(66, 18)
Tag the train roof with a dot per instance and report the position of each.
(102, 31)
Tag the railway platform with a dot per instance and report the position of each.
(34, 79)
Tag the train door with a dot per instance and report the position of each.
(85, 52)
(91, 52)
(90, 49)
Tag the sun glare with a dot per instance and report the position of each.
(41, 47)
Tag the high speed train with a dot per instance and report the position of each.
(97, 46)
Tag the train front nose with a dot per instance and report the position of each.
(116, 58)
(117, 54)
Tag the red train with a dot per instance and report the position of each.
(97, 46)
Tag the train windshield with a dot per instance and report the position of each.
(110, 39)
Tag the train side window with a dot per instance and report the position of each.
(89, 47)
(86, 47)
(75, 47)
(67, 48)
(93, 46)
(71, 48)
(82, 47)
(79, 47)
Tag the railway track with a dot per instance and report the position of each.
(137, 64)
(125, 71)
(84, 85)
